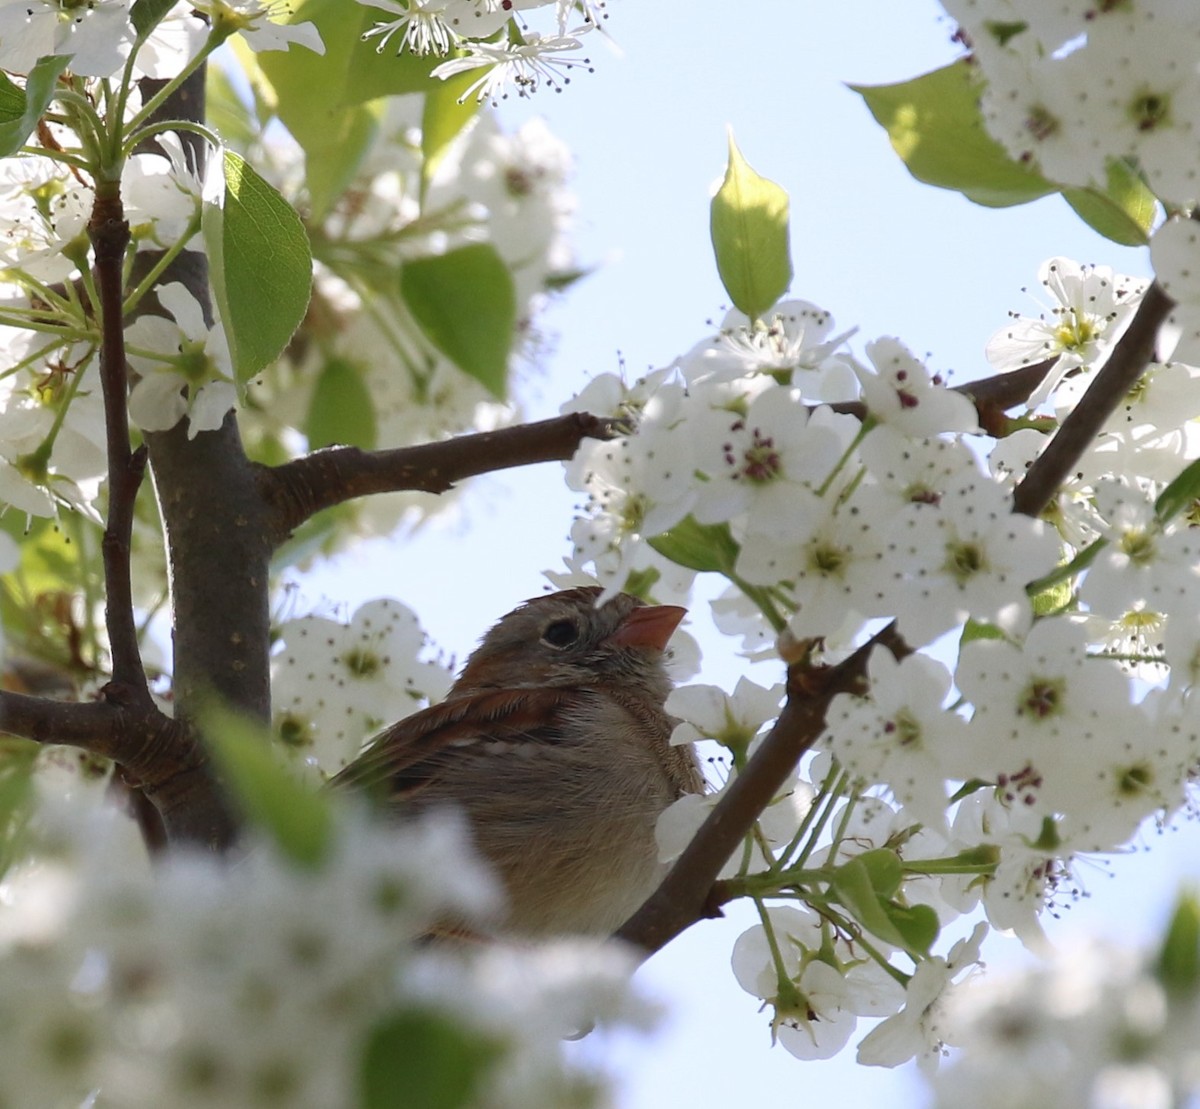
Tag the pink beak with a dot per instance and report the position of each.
(650, 626)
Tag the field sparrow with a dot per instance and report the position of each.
(554, 742)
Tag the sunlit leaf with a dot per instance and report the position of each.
(1124, 211)
(145, 15)
(934, 124)
(749, 225)
(443, 120)
(260, 265)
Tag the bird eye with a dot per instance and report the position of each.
(562, 633)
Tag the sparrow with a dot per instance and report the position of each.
(554, 743)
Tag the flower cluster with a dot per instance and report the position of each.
(51, 445)
(102, 37)
(829, 522)
(206, 983)
(491, 38)
(1097, 1025)
(334, 684)
(51, 415)
(507, 190)
(1079, 90)
(834, 493)
(1043, 104)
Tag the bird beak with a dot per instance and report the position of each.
(649, 626)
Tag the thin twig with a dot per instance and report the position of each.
(988, 394)
(299, 489)
(109, 234)
(1130, 356)
(1007, 389)
(685, 895)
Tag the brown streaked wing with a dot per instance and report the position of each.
(395, 758)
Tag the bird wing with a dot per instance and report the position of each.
(411, 753)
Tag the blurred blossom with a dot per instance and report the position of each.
(203, 982)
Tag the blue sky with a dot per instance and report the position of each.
(881, 252)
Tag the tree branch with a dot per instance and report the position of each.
(142, 740)
(1007, 389)
(158, 757)
(1127, 362)
(988, 394)
(303, 487)
(219, 556)
(685, 895)
(299, 489)
(109, 234)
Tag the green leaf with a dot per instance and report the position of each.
(262, 92)
(866, 885)
(749, 225)
(982, 859)
(12, 100)
(1053, 598)
(145, 15)
(641, 583)
(341, 410)
(443, 119)
(564, 279)
(415, 1059)
(225, 110)
(1005, 32)
(934, 124)
(260, 265)
(19, 113)
(325, 100)
(705, 547)
(918, 926)
(296, 818)
(17, 799)
(883, 869)
(1049, 839)
(853, 885)
(334, 134)
(974, 629)
(1179, 495)
(465, 304)
(1178, 964)
(350, 71)
(1124, 211)
(316, 536)
(1067, 571)
(334, 152)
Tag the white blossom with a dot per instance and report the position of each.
(185, 367)
(97, 36)
(334, 684)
